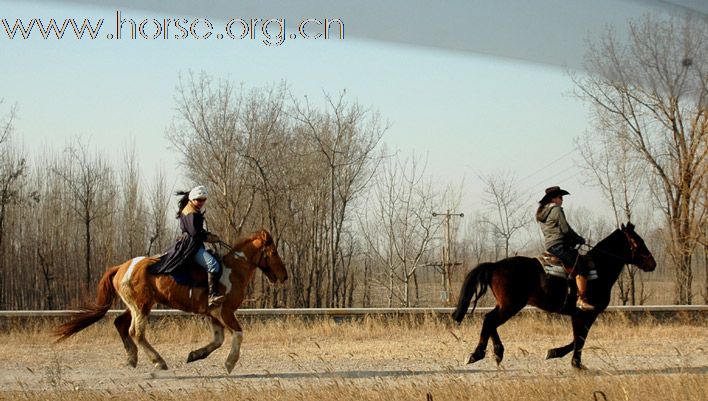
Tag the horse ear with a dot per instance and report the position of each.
(265, 237)
(630, 226)
(622, 226)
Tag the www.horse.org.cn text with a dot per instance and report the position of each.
(270, 31)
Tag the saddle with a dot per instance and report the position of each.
(193, 275)
(554, 267)
(190, 273)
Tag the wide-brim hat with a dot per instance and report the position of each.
(552, 192)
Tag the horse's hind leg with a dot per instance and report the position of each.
(493, 319)
(122, 323)
(498, 347)
(201, 353)
(489, 326)
(137, 330)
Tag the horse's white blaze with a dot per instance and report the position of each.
(129, 273)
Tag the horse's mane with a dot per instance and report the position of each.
(603, 244)
(243, 241)
(608, 245)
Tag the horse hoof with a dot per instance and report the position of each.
(498, 355)
(474, 357)
(229, 367)
(161, 365)
(550, 354)
(579, 366)
(195, 356)
(133, 362)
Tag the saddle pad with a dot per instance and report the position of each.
(559, 271)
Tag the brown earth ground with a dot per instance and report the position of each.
(371, 359)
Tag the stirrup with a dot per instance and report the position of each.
(583, 305)
(216, 300)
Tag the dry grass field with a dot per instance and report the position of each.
(372, 359)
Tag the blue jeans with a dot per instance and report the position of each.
(570, 257)
(207, 261)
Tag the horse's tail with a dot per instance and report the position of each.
(90, 314)
(475, 285)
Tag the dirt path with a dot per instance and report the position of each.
(316, 357)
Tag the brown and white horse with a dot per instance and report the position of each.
(140, 291)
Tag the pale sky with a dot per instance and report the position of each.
(477, 95)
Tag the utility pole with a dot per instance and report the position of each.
(446, 263)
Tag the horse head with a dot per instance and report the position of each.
(640, 255)
(268, 259)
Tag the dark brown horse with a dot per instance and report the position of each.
(140, 291)
(519, 281)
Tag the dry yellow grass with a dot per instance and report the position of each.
(375, 359)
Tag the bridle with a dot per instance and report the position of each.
(633, 248)
(263, 257)
(633, 245)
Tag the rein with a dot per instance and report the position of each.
(225, 245)
(632, 247)
(240, 255)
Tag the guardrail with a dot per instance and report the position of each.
(666, 310)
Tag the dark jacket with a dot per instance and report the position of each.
(181, 253)
(555, 227)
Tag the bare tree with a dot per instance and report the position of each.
(132, 228)
(651, 94)
(507, 214)
(401, 227)
(158, 199)
(89, 179)
(12, 167)
(346, 135)
(477, 242)
(620, 177)
(207, 134)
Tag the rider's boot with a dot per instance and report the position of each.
(582, 302)
(215, 299)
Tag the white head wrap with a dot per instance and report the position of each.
(198, 192)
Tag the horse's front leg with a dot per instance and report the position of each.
(236, 339)
(201, 353)
(581, 326)
(560, 352)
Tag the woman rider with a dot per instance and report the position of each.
(191, 245)
(560, 239)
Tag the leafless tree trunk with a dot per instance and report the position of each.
(158, 199)
(400, 228)
(208, 134)
(505, 204)
(651, 93)
(89, 180)
(620, 177)
(12, 168)
(132, 227)
(346, 137)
